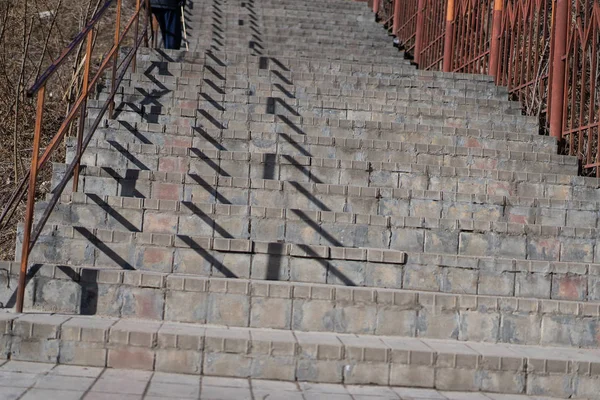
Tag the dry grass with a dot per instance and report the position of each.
(33, 33)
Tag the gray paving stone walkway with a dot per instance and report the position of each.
(36, 381)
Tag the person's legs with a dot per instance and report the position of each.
(173, 29)
(159, 13)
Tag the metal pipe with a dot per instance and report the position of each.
(30, 198)
(111, 107)
(41, 81)
(419, 31)
(396, 24)
(449, 39)
(83, 107)
(495, 41)
(560, 22)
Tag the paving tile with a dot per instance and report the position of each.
(225, 382)
(264, 385)
(270, 395)
(120, 386)
(323, 388)
(410, 393)
(46, 394)
(27, 367)
(176, 378)
(11, 393)
(174, 390)
(465, 396)
(131, 374)
(73, 370)
(18, 379)
(326, 396)
(224, 393)
(371, 391)
(58, 382)
(111, 396)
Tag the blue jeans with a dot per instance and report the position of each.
(170, 26)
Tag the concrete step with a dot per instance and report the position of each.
(272, 164)
(324, 146)
(307, 307)
(417, 177)
(239, 101)
(452, 206)
(213, 117)
(443, 87)
(230, 58)
(292, 356)
(203, 256)
(471, 237)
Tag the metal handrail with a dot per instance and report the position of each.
(28, 184)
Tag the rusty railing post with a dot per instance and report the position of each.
(495, 41)
(561, 22)
(30, 199)
(449, 39)
(83, 109)
(136, 28)
(419, 31)
(111, 107)
(396, 24)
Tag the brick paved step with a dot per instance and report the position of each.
(219, 56)
(223, 80)
(245, 40)
(213, 118)
(153, 107)
(294, 36)
(235, 258)
(304, 226)
(346, 99)
(272, 164)
(324, 146)
(310, 50)
(327, 197)
(421, 204)
(314, 357)
(307, 307)
(215, 58)
(349, 137)
(299, 31)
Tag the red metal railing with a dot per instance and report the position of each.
(545, 51)
(581, 122)
(76, 113)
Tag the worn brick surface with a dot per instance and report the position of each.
(290, 199)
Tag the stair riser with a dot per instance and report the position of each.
(359, 102)
(445, 274)
(315, 308)
(316, 146)
(160, 107)
(240, 120)
(442, 236)
(258, 355)
(350, 169)
(320, 228)
(398, 87)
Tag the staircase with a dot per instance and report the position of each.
(292, 200)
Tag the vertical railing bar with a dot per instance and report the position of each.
(29, 213)
(83, 107)
(592, 99)
(495, 38)
(559, 65)
(448, 41)
(111, 107)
